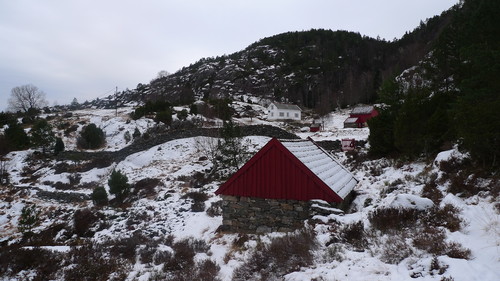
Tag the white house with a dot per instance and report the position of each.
(281, 111)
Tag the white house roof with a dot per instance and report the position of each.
(322, 164)
(351, 120)
(286, 106)
(365, 109)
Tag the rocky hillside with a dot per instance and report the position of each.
(319, 69)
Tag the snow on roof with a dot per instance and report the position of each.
(322, 164)
(365, 109)
(351, 120)
(286, 106)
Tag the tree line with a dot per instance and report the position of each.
(458, 98)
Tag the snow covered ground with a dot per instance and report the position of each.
(168, 210)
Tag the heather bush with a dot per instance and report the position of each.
(198, 198)
(395, 249)
(431, 191)
(215, 209)
(354, 234)
(393, 219)
(282, 256)
(431, 240)
(45, 263)
(125, 248)
(83, 220)
(91, 262)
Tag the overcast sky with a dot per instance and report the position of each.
(86, 48)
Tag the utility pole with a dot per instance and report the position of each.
(116, 102)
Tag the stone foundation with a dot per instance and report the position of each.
(257, 215)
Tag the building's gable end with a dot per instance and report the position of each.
(275, 173)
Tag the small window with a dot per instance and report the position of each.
(296, 115)
(282, 114)
(272, 114)
(288, 114)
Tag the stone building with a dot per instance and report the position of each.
(273, 191)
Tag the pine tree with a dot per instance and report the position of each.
(91, 137)
(17, 137)
(99, 196)
(28, 220)
(59, 146)
(42, 135)
(118, 185)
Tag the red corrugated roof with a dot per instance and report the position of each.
(294, 170)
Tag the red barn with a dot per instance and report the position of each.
(291, 170)
(359, 116)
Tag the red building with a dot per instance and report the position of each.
(291, 170)
(359, 116)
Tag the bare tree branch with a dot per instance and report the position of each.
(26, 97)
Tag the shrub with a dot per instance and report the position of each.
(182, 115)
(183, 256)
(198, 198)
(395, 250)
(82, 221)
(431, 191)
(463, 184)
(354, 234)
(215, 209)
(447, 216)
(456, 251)
(44, 262)
(431, 240)
(390, 219)
(99, 196)
(146, 187)
(89, 263)
(437, 267)
(91, 137)
(125, 248)
(118, 185)
(127, 137)
(283, 255)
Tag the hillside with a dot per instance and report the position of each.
(320, 69)
(142, 204)
(167, 227)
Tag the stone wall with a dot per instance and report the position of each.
(257, 215)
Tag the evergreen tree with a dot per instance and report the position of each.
(99, 196)
(193, 109)
(233, 150)
(136, 133)
(42, 135)
(17, 137)
(91, 137)
(28, 220)
(381, 136)
(59, 146)
(118, 185)
(164, 116)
